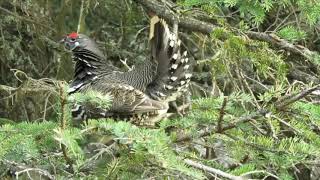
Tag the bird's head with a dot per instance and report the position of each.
(79, 42)
(75, 41)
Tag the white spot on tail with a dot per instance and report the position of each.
(185, 53)
(188, 76)
(174, 66)
(182, 83)
(186, 67)
(172, 36)
(89, 73)
(175, 56)
(173, 78)
(171, 43)
(168, 87)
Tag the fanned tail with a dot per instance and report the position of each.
(174, 68)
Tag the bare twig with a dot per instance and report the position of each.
(212, 129)
(212, 170)
(25, 169)
(244, 119)
(80, 17)
(281, 43)
(25, 19)
(259, 172)
(296, 97)
(221, 114)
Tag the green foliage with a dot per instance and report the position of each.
(310, 10)
(24, 141)
(292, 34)
(149, 146)
(256, 11)
(94, 98)
(147, 152)
(70, 137)
(271, 144)
(236, 55)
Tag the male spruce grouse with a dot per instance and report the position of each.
(142, 94)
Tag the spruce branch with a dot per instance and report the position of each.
(63, 122)
(244, 119)
(207, 131)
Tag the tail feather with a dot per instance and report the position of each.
(174, 67)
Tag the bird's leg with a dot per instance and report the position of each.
(176, 108)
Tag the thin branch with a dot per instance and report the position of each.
(244, 119)
(260, 172)
(80, 17)
(212, 129)
(281, 43)
(221, 114)
(184, 21)
(296, 97)
(25, 169)
(212, 170)
(25, 19)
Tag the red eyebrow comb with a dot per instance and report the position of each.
(73, 35)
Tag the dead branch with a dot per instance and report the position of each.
(24, 169)
(281, 43)
(295, 97)
(213, 129)
(212, 170)
(221, 114)
(193, 24)
(25, 19)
